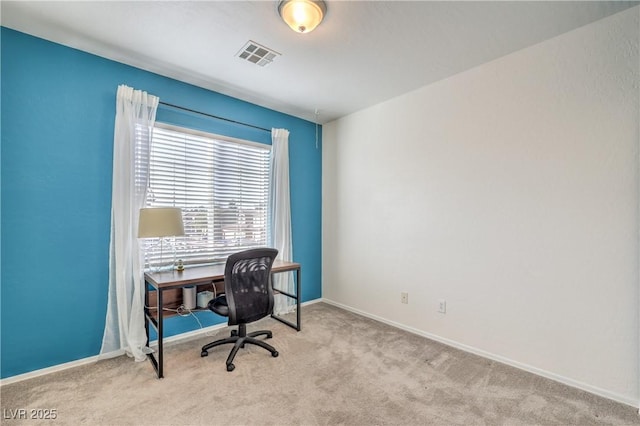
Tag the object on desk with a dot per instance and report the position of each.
(203, 298)
(189, 297)
(248, 297)
(160, 223)
(179, 265)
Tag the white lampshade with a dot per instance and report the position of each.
(302, 15)
(160, 222)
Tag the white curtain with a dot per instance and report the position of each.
(124, 328)
(281, 216)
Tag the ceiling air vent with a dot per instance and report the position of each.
(257, 54)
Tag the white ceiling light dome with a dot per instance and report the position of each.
(303, 16)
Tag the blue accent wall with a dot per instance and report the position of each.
(58, 111)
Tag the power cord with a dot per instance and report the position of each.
(185, 312)
(180, 310)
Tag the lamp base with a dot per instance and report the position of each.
(161, 255)
(165, 267)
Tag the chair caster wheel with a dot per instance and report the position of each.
(275, 354)
(204, 353)
(230, 367)
(234, 333)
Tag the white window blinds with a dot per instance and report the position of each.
(221, 185)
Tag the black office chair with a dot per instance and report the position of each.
(248, 297)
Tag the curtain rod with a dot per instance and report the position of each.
(215, 116)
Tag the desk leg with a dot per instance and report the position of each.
(298, 287)
(160, 333)
(146, 311)
(159, 324)
(296, 296)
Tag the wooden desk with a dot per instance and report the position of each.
(171, 280)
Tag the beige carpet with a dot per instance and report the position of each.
(341, 369)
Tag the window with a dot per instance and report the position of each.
(222, 186)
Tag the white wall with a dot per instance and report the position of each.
(510, 190)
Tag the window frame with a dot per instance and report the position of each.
(217, 255)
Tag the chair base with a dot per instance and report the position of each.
(239, 338)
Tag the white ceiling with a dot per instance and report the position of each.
(364, 52)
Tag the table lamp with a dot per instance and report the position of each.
(160, 222)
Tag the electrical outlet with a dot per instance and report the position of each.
(442, 306)
(404, 297)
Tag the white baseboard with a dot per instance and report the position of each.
(547, 374)
(55, 368)
(197, 333)
(92, 359)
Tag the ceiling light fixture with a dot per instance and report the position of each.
(302, 15)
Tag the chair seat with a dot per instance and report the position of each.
(219, 305)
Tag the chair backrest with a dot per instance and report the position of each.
(247, 285)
